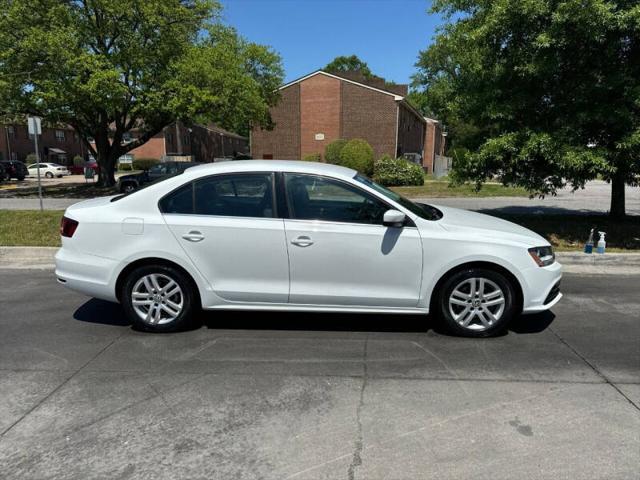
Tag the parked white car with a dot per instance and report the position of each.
(280, 235)
(48, 170)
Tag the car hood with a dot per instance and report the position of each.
(479, 225)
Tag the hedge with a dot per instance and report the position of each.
(397, 172)
(358, 155)
(333, 149)
(312, 157)
(144, 163)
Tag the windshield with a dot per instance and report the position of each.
(421, 209)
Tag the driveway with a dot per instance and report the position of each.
(320, 396)
(594, 199)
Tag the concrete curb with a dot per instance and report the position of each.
(573, 262)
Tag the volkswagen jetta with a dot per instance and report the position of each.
(281, 235)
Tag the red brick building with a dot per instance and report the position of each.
(59, 144)
(62, 144)
(321, 107)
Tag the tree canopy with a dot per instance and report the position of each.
(106, 67)
(350, 63)
(542, 92)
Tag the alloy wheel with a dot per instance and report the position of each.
(157, 299)
(477, 303)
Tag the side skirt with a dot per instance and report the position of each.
(316, 308)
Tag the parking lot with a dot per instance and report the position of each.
(312, 396)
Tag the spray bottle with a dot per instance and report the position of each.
(588, 247)
(601, 243)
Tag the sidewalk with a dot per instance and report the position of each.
(573, 262)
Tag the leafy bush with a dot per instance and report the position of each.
(31, 158)
(397, 172)
(357, 154)
(78, 161)
(312, 157)
(333, 149)
(144, 163)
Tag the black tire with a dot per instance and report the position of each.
(127, 188)
(48, 175)
(482, 324)
(188, 292)
(20, 179)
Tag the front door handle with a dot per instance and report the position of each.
(193, 236)
(302, 241)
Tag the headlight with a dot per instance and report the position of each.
(543, 256)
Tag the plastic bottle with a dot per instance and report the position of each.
(588, 247)
(602, 245)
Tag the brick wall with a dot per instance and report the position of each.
(369, 115)
(410, 132)
(283, 142)
(154, 148)
(319, 113)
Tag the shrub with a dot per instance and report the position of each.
(357, 154)
(333, 149)
(144, 163)
(312, 157)
(397, 172)
(31, 158)
(78, 161)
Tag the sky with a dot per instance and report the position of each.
(308, 34)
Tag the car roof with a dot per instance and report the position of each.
(271, 166)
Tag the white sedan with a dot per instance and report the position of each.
(279, 235)
(48, 170)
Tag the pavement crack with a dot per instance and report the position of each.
(594, 368)
(356, 459)
(62, 384)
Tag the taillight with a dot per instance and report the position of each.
(68, 227)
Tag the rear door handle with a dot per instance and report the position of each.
(302, 241)
(193, 236)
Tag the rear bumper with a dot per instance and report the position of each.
(542, 289)
(87, 274)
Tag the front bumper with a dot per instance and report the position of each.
(542, 289)
(85, 273)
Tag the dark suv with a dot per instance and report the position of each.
(130, 183)
(14, 169)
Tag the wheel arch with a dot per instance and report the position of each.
(479, 264)
(150, 261)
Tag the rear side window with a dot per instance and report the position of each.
(178, 201)
(238, 195)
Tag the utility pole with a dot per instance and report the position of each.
(35, 129)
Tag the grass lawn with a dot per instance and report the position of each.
(441, 188)
(30, 228)
(565, 232)
(73, 190)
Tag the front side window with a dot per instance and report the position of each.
(237, 195)
(60, 135)
(312, 197)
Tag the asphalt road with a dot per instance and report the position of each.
(594, 199)
(306, 396)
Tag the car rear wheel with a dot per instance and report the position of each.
(128, 188)
(158, 298)
(476, 302)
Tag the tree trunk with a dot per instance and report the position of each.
(107, 162)
(617, 196)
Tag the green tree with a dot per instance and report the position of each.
(107, 67)
(348, 64)
(545, 92)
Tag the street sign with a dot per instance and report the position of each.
(35, 127)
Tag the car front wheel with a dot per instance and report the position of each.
(476, 302)
(48, 175)
(158, 298)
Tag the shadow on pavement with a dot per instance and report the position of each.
(108, 313)
(103, 312)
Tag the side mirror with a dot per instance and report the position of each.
(393, 218)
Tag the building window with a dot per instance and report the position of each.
(60, 135)
(185, 139)
(126, 137)
(11, 131)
